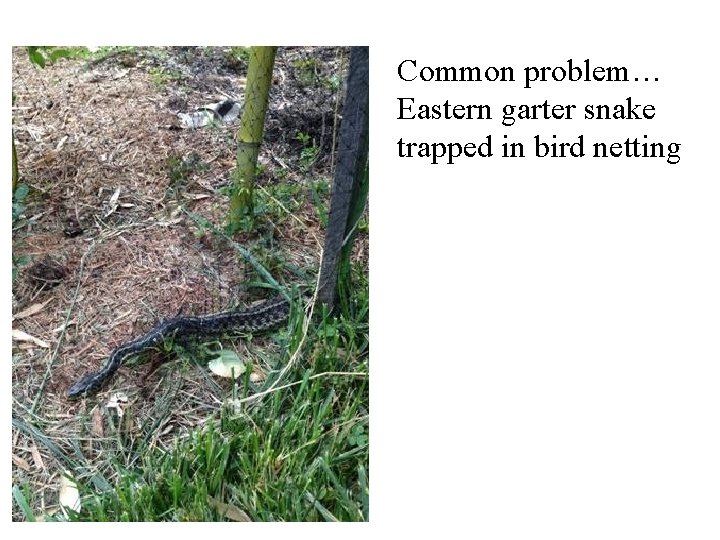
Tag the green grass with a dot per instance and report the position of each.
(277, 201)
(298, 453)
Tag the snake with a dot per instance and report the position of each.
(253, 319)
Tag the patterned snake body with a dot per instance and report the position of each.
(253, 319)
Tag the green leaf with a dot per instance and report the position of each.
(357, 436)
(41, 56)
(228, 364)
(21, 501)
(21, 192)
(36, 57)
(55, 54)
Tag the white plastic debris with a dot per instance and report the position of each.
(223, 111)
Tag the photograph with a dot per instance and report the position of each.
(191, 280)
(190, 283)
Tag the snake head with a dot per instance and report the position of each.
(88, 383)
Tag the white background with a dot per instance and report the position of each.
(544, 331)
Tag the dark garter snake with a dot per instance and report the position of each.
(253, 319)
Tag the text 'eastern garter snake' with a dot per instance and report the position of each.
(254, 319)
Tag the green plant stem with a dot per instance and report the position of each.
(250, 135)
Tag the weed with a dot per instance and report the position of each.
(18, 219)
(309, 152)
(162, 76)
(18, 205)
(238, 58)
(333, 82)
(241, 53)
(320, 192)
(179, 169)
(159, 53)
(307, 71)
